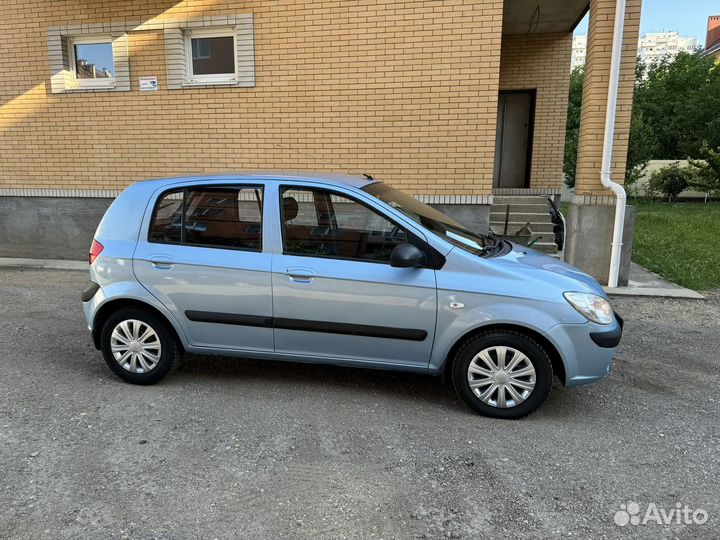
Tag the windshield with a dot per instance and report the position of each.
(429, 218)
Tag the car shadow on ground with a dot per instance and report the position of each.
(311, 379)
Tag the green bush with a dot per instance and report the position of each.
(670, 181)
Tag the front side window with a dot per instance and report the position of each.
(320, 223)
(93, 63)
(224, 217)
(211, 56)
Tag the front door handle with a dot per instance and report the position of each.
(300, 275)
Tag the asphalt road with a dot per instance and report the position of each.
(229, 448)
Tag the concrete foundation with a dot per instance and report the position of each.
(63, 227)
(49, 227)
(588, 240)
(476, 217)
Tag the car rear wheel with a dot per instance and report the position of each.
(502, 374)
(138, 347)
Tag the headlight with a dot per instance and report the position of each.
(594, 307)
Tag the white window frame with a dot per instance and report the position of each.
(85, 40)
(212, 78)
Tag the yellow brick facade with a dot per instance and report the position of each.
(597, 73)
(405, 91)
(541, 62)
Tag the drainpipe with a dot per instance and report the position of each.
(606, 168)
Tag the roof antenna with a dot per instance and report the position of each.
(317, 158)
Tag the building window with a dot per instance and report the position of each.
(92, 61)
(88, 58)
(211, 56)
(207, 51)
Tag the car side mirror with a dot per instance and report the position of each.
(406, 256)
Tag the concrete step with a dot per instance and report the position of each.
(530, 210)
(519, 199)
(519, 208)
(534, 217)
(538, 228)
(545, 247)
(542, 236)
(544, 241)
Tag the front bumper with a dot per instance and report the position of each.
(611, 338)
(587, 350)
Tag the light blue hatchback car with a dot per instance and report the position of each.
(342, 270)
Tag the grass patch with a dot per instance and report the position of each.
(679, 241)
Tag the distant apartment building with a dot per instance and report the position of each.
(579, 52)
(655, 46)
(712, 41)
(652, 47)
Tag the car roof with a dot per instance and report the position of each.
(356, 181)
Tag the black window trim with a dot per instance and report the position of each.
(434, 259)
(218, 187)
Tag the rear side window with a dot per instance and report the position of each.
(227, 217)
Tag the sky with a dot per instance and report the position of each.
(687, 17)
(98, 54)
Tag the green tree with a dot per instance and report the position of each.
(706, 175)
(675, 113)
(642, 143)
(572, 129)
(678, 101)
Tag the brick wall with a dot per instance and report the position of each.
(595, 94)
(541, 62)
(406, 91)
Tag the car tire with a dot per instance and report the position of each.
(524, 386)
(138, 346)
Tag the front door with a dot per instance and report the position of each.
(513, 145)
(204, 260)
(335, 294)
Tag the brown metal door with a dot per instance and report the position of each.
(513, 145)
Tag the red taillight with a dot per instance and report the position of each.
(95, 250)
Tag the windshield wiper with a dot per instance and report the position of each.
(490, 241)
(493, 243)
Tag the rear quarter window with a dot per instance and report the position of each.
(167, 218)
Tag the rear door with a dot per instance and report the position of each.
(335, 294)
(203, 257)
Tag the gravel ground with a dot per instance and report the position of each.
(228, 448)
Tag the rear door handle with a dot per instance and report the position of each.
(162, 264)
(300, 275)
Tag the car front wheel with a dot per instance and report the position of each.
(138, 347)
(502, 374)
